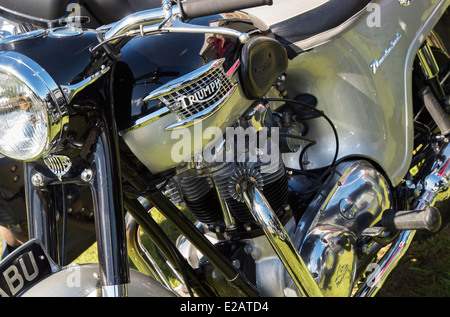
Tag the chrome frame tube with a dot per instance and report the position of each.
(280, 241)
(430, 69)
(139, 255)
(376, 279)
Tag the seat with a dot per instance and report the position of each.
(109, 11)
(303, 25)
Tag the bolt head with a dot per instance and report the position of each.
(244, 38)
(37, 179)
(87, 175)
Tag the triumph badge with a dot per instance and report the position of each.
(202, 95)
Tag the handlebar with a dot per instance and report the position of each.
(154, 21)
(190, 9)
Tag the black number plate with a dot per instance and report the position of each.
(24, 267)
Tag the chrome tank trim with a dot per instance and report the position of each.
(184, 81)
(146, 120)
(70, 91)
(22, 37)
(188, 95)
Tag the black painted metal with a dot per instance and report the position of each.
(108, 206)
(41, 214)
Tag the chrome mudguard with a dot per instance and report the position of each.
(83, 281)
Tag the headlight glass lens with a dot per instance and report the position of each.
(23, 120)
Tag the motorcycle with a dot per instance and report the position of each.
(289, 143)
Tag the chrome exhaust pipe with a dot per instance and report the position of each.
(435, 183)
(279, 240)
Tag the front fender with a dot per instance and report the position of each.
(83, 281)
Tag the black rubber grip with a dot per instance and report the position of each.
(428, 219)
(435, 109)
(199, 8)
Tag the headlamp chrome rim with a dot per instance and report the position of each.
(45, 89)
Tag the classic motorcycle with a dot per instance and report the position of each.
(288, 142)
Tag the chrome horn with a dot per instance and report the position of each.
(279, 239)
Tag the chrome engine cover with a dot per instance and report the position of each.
(353, 199)
(327, 236)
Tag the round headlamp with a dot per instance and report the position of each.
(32, 108)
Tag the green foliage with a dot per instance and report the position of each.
(425, 269)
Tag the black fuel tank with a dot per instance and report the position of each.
(67, 58)
(148, 63)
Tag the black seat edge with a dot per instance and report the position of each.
(329, 16)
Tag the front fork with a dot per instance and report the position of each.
(101, 173)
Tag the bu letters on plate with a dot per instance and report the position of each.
(24, 267)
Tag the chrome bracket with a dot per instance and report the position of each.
(70, 91)
(404, 3)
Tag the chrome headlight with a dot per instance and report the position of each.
(32, 108)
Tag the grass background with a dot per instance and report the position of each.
(423, 272)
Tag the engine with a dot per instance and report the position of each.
(210, 188)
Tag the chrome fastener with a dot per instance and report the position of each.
(87, 175)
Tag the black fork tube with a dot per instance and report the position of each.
(103, 175)
(104, 178)
(41, 215)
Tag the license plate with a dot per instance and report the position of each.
(24, 267)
